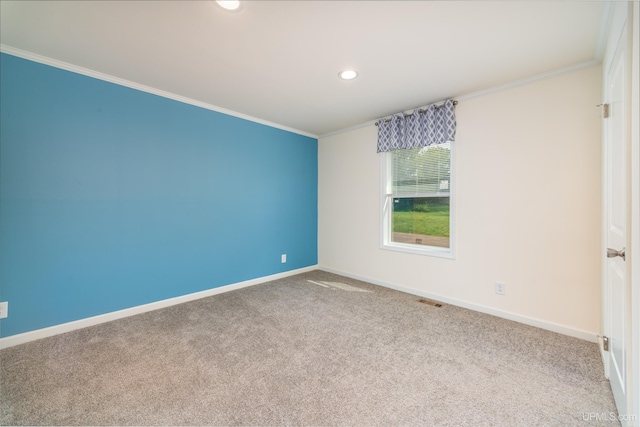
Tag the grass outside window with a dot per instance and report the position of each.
(434, 222)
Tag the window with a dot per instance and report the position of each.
(417, 202)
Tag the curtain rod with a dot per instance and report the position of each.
(419, 111)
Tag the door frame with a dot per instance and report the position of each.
(634, 387)
(615, 233)
(627, 13)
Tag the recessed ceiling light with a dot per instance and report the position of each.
(348, 74)
(230, 5)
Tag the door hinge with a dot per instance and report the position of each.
(605, 110)
(605, 343)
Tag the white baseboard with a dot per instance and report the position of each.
(13, 340)
(550, 326)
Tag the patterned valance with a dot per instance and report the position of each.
(434, 124)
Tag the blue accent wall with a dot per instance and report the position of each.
(113, 197)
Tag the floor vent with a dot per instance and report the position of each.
(429, 302)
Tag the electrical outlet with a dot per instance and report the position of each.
(4, 309)
(283, 258)
(500, 288)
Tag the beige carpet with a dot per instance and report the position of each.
(313, 349)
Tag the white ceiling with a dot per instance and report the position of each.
(278, 61)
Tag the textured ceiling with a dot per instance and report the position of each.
(278, 61)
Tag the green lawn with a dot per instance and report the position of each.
(432, 223)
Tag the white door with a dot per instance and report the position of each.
(616, 297)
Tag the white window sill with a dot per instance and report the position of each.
(418, 250)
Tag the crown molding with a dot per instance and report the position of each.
(464, 97)
(137, 86)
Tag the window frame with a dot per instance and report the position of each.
(386, 202)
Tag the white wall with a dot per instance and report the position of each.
(528, 207)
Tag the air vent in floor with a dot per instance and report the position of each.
(429, 302)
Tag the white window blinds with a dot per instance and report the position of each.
(421, 171)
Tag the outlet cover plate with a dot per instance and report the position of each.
(500, 288)
(4, 309)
